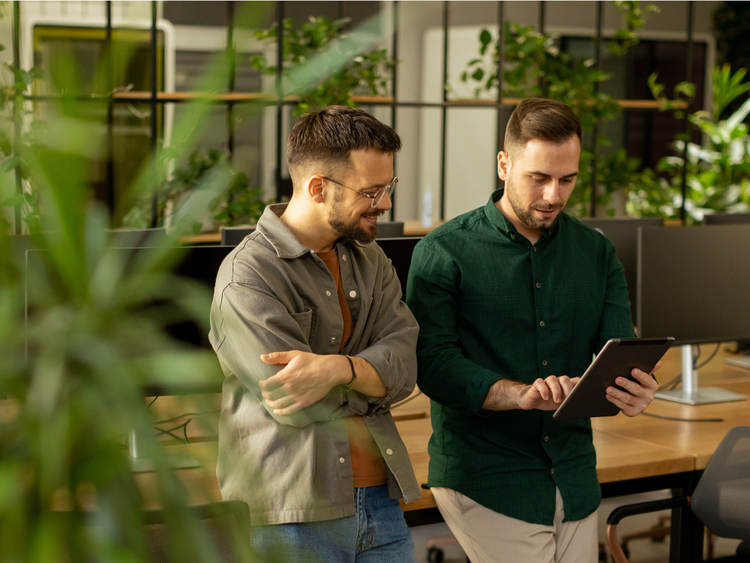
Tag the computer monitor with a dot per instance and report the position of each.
(390, 229)
(623, 232)
(693, 285)
(232, 236)
(399, 250)
(727, 219)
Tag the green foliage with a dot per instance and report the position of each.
(634, 17)
(16, 83)
(535, 66)
(238, 204)
(75, 362)
(365, 72)
(684, 93)
(727, 87)
(718, 172)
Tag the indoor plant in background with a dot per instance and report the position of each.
(718, 171)
(366, 72)
(238, 205)
(535, 66)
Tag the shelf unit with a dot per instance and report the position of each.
(155, 98)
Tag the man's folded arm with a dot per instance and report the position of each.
(249, 320)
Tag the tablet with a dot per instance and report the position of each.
(618, 358)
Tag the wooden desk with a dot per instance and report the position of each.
(633, 454)
(698, 439)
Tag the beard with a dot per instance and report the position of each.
(525, 215)
(352, 230)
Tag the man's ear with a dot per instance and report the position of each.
(503, 165)
(315, 188)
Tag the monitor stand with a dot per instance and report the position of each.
(690, 394)
(139, 463)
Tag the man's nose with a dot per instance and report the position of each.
(552, 192)
(385, 203)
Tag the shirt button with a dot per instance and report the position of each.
(389, 451)
(538, 285)
(551, 471)
(343, 257)
(544, 362)
(352, 294)
(541, 323)
(535, 249)
(333, 339)
(546, 439)
(328, 293)
(342, 460)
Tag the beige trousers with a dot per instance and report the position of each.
(487, 536)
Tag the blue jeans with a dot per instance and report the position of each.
(377, 533)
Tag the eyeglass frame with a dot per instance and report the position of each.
(378, 196)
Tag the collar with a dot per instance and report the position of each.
(497, 218)
(278, 234)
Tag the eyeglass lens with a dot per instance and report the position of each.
(381, 193)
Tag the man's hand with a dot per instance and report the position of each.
(544, 394)
(637, 395)
(305, 380)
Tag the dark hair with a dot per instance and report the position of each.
(546, 120)
(326, 137)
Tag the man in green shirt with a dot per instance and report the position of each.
(513, 299)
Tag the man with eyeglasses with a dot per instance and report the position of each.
(316, 345)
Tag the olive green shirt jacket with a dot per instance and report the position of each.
(493, 306)
(274, 294)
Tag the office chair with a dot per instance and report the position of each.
(720, 500)
(227, 526)
(232, 236)
(722, 496)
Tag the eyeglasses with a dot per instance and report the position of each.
(375, 198)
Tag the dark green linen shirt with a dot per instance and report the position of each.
(492, 306)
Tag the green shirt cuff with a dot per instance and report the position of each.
(479, 386)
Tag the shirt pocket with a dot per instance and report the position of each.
(306, 321)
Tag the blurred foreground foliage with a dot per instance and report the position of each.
(83, 332)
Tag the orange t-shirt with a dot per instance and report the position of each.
(368, 465)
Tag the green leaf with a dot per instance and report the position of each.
(485, 37)
(10, 164)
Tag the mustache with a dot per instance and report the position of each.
(373, 214)
(548, 207)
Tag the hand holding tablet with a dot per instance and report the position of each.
(617, 358)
